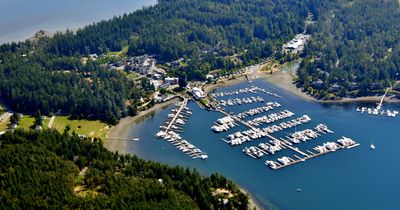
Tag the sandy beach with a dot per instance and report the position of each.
(121, 129)
(253, 203)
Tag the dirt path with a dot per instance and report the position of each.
(51, 122)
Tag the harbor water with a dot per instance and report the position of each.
(356, 178)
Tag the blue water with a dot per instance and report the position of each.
(20, 19)
(357, 178)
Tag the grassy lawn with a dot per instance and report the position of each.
(121, 53)
(27, 122)
(132, 75)
(183, 64)
(89, 128)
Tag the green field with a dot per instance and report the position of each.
(120, 54)
(132, 75)
(27, 122)
(89, 128)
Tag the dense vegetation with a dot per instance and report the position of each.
(49, 170)
(204, 31)
(49, 74)
(355, 50)
(37, 80)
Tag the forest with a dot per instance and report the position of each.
(50, 170)
(48, 74)
(354, 50)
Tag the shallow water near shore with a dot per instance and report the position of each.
(356, 178)
(20, 19)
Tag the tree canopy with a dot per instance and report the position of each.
(51, 75)
(49, 170)
(354, 50)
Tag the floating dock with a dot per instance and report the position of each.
(282, 164)
(257, 152)
(174, 125)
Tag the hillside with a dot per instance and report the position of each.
(48, 170)
(53, 74)
(355, 49)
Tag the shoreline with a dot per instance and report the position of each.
(284, 80)
(253, 202)
(279, 78)
(224, 83)
(121, 129)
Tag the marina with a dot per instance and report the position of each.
(358, 165)
(241, 101)
(252, 89)
(174, 125)
(274, 145)
(254, 133)
(271, 118)
(286, 125)
(269, 106)
(328, 147)
(224, 124)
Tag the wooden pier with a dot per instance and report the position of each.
(382, 99)
(184, 103)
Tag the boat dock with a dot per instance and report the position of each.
(248, 78)
(268, 107)
(377, 109)
(344, 143)
(276, 145)
(176, 115)
(240, 101)
(383, 98)
(174, 125)
(252, 89)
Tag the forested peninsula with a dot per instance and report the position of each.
(49, 170)
(354, 50)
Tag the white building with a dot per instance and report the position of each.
(155, 83)
(171, 80)
(198, 93)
